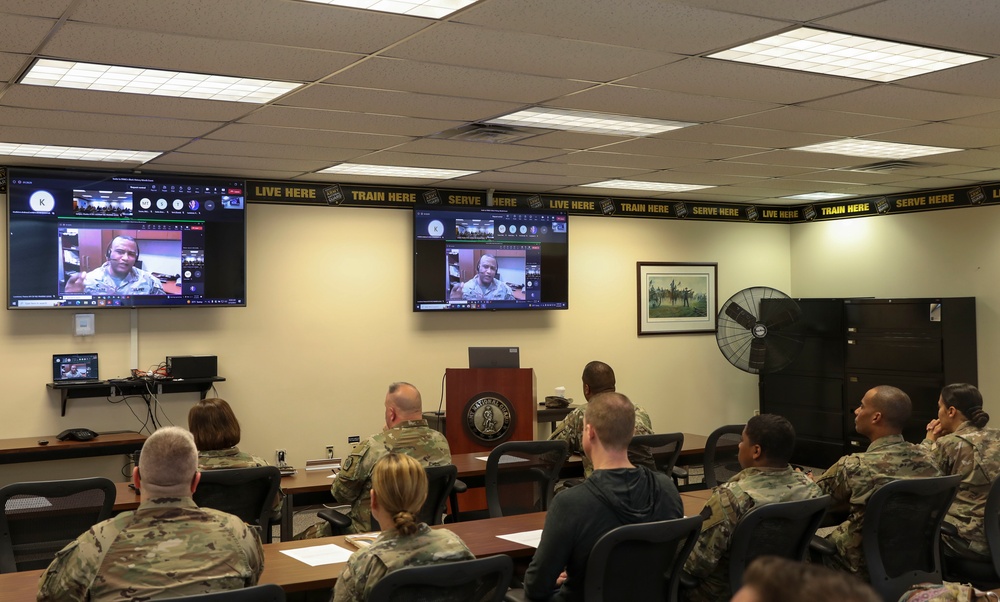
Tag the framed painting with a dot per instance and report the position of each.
(676, 298)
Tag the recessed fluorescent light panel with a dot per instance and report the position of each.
(832, 53)
(873, 148)
(390, 171)
(636, 185)
(76, 153)
(586, 121)
(132, 80)
(434, 9)
(818, 196)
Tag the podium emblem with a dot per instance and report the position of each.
(489, 417)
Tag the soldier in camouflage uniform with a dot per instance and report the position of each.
(853, 479)
(216, 432)
(406, 433)
(400, 488)
(598, 377)
(168, 547)
(962, 445)
(764, 451)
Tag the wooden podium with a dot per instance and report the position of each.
(516, 385)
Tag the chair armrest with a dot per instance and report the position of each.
(459, 486)
(338, 521)
(949, 529)
(515, 595)
(822, 546)
(687, 581)
(679, 473)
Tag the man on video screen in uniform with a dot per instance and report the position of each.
(118, 275)
(484, 286)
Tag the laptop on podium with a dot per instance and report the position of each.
(494, 357)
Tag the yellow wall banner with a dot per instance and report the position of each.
(349, 195)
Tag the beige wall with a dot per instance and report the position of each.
(328, 326)
(937, 254)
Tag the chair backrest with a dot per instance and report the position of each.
(641, 561)
(722, 454)
(39, 518)
(440, 480)
(480, 580)
(521, 476)
(665, 448)
(901, 532)
(992, 524)
(780, 529)
(258, 593)
(245, 492)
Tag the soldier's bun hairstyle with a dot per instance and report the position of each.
(400, 485)
(966, 399)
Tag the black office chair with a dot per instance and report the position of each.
(641, 561)
(521, 476)
(722, 454)
(245, 492)
(258, 593)
(480, 580)
(40, 517)
(984, 575)
(780, 529)
(902, 531)
(664, 449)
(440, 481)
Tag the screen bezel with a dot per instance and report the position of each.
(188, 238)
(544, 272)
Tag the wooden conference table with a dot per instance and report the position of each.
(293, 575)
(313, 486)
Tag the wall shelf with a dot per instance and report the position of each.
(108, 388)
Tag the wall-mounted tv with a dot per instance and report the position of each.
(489, 259)
(105, 240)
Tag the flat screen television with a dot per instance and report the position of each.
(490, 259)
(105, 240)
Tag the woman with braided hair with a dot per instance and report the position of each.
(399, 488)
(963, 445)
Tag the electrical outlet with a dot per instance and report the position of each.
(756, 412)
(329, 452)
(280, 456)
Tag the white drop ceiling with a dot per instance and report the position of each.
(381, 88)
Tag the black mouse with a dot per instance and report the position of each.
(43, 441)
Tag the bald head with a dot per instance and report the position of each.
(402, 402)
(895, 406)
(168, 463)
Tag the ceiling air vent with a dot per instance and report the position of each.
(494, 134)
(888, 166)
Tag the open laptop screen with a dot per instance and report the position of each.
(494, 357)
(70, 367)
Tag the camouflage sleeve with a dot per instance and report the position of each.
(571, 431)
(643, 424)
(74, 568)
(836, 482)
(351, 479)
(954, 455)
(721, 517)
(363, 570)
(252, 549)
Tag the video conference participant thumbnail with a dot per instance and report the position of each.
(486, 285)
(118, 274)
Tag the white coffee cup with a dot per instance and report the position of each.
(560, 391)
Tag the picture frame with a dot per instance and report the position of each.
(677, 298)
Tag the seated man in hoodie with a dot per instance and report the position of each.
(616, 494)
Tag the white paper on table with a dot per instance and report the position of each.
(525, 538)
(504, 459)
(317, 555)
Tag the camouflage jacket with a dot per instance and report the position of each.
(392, 551)
(853, 480)
(973, 453)
(729, 503)
(168, 547)
(571, 431)
(354, 482)
(232, 457)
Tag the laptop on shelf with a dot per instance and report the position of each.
(75, 368)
